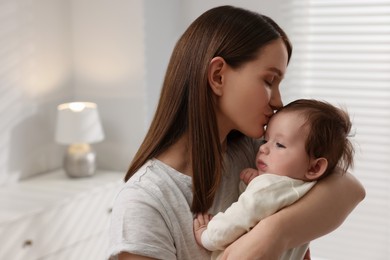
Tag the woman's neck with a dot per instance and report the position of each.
(177, 156)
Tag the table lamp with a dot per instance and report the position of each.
(78, 125)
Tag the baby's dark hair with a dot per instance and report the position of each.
(329, 128)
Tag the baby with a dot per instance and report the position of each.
(304, 142)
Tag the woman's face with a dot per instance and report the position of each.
(251, 92)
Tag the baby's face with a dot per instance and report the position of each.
(283, 151)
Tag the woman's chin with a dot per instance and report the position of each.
(258, 134)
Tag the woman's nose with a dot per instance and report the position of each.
(276, 100)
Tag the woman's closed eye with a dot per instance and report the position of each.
(269, 81)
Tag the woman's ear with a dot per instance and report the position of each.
(317, 168)
(215, 75)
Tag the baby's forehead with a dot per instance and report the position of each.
(287, 121)
(292, 114)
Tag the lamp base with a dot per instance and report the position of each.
(80, 161)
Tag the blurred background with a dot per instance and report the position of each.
(114, 53)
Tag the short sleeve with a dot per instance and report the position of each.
(138, 226)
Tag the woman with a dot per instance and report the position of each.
(220, 89)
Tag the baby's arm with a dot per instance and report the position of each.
(264, 196)
(201, 221)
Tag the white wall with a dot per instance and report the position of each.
(120, 52)
(163, 21)
(192, 8)
(109, 69)
(34, 77)
(113, 53)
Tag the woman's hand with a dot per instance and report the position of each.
(261, 243)
(243, 250)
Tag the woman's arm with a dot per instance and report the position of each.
(321, 211)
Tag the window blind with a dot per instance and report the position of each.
(342, 55)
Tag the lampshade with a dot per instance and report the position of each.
(78, 122)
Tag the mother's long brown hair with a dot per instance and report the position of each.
(186, 103)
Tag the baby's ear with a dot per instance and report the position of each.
(317, 167)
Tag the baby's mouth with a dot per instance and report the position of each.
(261, 165)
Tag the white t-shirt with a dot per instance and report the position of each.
(151, 214)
